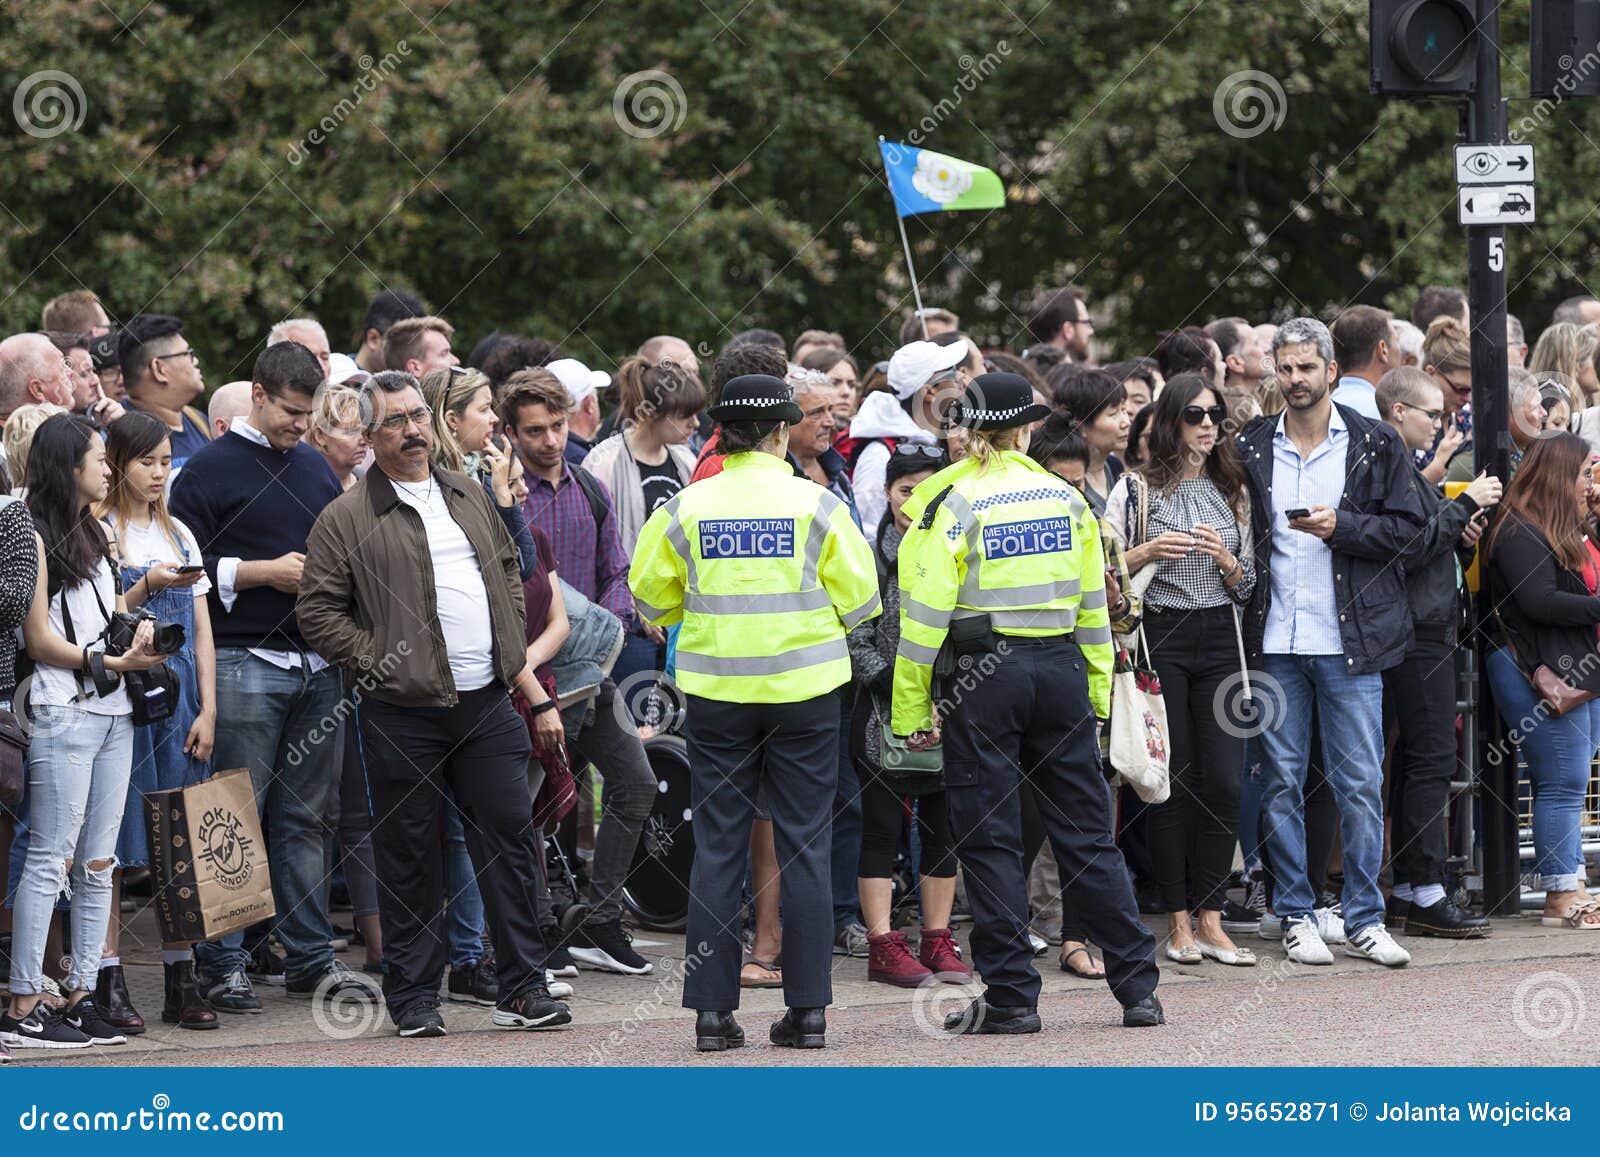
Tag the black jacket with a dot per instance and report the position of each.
(1379, 518)
(1546, 610)
(1430, 562)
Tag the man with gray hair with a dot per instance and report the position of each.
(1409, 338)
(1332, 508)
(1580, 310)
(1526, 420)
(229, 402)
(32, 370)
(308, 332)
(1516, 342)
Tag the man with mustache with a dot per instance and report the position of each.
(413, 585)
(1332, 511)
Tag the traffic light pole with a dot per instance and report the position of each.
(1491, 440)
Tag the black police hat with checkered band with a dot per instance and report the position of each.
(996, 402)
(756, 398)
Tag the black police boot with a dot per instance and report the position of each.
(1445, 920)
(980, 1018)
(800, 1028)
(715, 1032)
(1146, 1014)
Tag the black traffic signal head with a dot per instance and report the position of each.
(1564, 48)
(1423, 47)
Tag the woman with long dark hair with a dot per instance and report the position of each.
(82, 744)
(1192, 559)
(161, 572)
(1542, 587)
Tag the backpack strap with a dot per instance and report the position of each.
(590, 485)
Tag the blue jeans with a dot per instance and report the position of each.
(1559, 751)
(283, 725)
(78, 766)
(1350, 708)
(463, 914)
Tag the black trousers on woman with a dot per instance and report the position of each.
(1192, 834)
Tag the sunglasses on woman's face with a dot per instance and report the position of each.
(1196, 415)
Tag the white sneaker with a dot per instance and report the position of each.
(559, 989)
(1374, 943)
(1271, 927)
(1304, 943)
(1330, 924)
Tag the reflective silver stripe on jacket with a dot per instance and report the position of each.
(680, 543)
(817, 535)
(873, 606)
(757, 603)
(1038, 620)
(1090, 635)
(924, 614)
(1018, 596)
(649, 611)
(780, 664)
(916, 652)
(1093, 600)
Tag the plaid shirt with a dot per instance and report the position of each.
(594, 563)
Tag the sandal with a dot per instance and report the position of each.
(773, 977)
(1583, 915)
(1080, 973)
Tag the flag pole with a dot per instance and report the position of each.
(911, 269)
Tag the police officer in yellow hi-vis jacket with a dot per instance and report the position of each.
(1002, 588)
(767, 572)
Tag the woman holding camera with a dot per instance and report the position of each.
(82, 744)
(161, 575)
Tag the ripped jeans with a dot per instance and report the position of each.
(78, 769)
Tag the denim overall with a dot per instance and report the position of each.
(159, 761)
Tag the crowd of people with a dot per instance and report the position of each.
(404, 591)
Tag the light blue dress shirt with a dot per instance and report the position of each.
(1359, 394)
(1303, 618)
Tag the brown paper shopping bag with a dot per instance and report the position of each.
(208, 857)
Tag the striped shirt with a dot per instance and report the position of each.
(593, 563)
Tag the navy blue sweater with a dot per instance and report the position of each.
(251, 502)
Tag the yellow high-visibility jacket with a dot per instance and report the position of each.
(1013, 542)
(767, 572)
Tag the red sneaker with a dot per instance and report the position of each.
(940, 954)
(889, 961)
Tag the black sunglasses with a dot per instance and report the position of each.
(1196, 415)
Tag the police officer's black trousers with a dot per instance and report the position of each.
(793, 749)
(1021, 714)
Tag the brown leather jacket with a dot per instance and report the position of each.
(367, 600)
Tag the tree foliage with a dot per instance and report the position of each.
(237, 163)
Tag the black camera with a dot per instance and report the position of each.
(153, 693)
(166, 638)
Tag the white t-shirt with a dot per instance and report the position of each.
(463, 600)
(58, 687)
(144, 545)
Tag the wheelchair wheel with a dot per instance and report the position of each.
(657, 890)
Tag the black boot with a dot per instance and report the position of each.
(184, 1006)
(980, 1018)
(715, 1032)
(1146, 1014)
(1446, 921)
(800, 1028)
(112, 1001)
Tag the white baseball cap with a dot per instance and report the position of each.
(912, 365)
(342, 368)
(580, 380)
